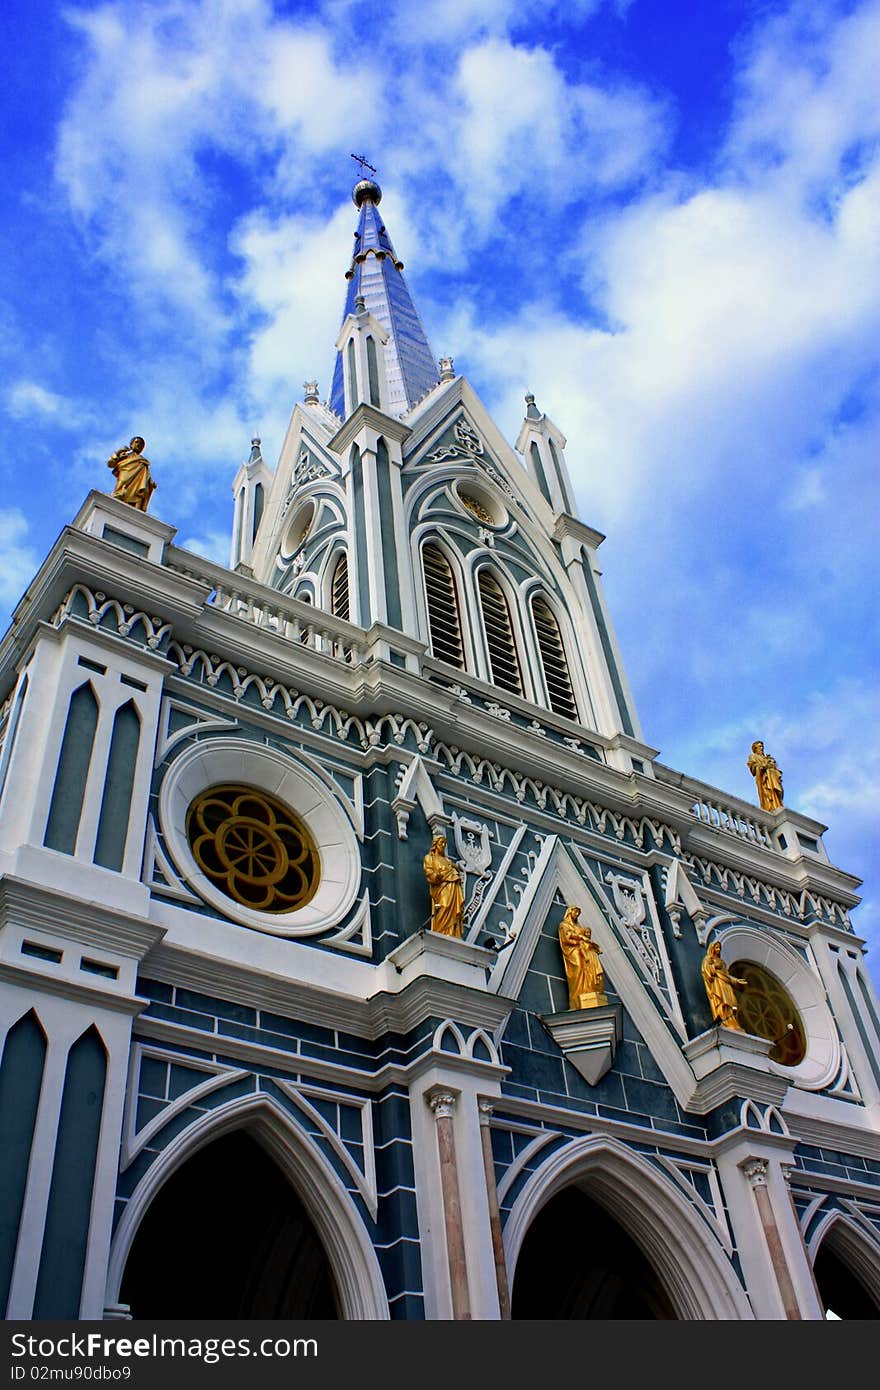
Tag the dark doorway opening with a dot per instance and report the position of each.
(227, 1237)
(577, 1262)
(842, 1292)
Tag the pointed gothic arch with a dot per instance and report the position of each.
(503, 652)
(442, 604)
(698, 1280)
(553, 654)
(338, 594)
(839, 1240)
(333, 1214)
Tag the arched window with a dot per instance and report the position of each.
(339, 601)
(118, 784)
(444, 619)
(373, 371)
(503, 659)
(556, 677)
(352, 375)
(72, 771)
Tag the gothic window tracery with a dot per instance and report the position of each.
(253, 848)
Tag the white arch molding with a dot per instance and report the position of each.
(853, 1246)
(698, 1278)
(349, 1250)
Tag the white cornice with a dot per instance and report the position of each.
(422, 998)
(88, 923)
(36, 982)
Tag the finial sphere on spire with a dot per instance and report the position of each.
(366, 189)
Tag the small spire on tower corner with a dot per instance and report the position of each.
(310, 396)
(532, 411)
(447, 369)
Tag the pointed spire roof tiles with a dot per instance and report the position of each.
(375, 276)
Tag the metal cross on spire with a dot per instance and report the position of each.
(362, 160)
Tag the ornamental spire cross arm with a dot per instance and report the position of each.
(364, 163)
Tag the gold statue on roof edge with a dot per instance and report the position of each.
(131, 470)
(768, 778)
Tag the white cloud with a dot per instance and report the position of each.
(522, 127)
(20, 559)
(293, 277)
(29, 398)
(167, 87)
(807, 102)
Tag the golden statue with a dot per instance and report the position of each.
(132, 473)
(583, 969)
(719, 987)
(447, 890)
(768, 778)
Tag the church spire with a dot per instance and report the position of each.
(376, 285)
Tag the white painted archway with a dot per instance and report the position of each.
(697, 1276)
(339, 1226)
(853, 1246)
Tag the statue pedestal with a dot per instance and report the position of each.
(588, 1037)
(728, 1062)
(592, 1000)
(111, 520)
(440, 957)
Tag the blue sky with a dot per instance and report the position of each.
(663, 219)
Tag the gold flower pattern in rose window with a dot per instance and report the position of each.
(766, 1009)
(476, 507)
(253, 848)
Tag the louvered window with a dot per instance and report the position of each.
(444, 621)
(503, 659)
(339, 605)
(556, 677)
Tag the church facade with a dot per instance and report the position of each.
(241, 1074)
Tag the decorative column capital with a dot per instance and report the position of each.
(755, 1170)
(486, 1109)
(442, 1103)
(788, 1171)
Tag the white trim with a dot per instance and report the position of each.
(822, 1062)
(698, 1279)
(853, 1246)
(350, 1254)
(221, 759)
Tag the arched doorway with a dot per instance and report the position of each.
(226, 1236)
(847, 1275)
(663, 1232)
(577, 1262)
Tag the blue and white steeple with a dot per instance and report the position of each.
(376, 287)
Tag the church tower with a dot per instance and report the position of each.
(347, 869)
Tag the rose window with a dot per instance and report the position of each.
(253, 848)
(766, 1009)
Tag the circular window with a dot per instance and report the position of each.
(480, 503)
(298, 528)
(262, 837)
(768, 1010)
(253, 848)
